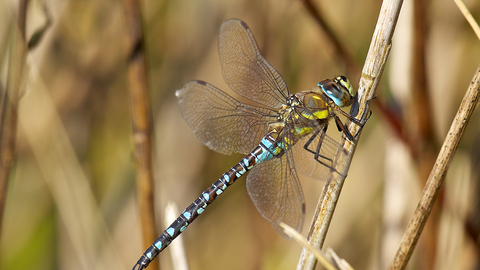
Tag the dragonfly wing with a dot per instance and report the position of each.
(305, 161)
(244, 68)
(276, 192)
(221, 122)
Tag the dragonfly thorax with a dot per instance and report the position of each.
(314, 106)
(288, 108)
(292, 101)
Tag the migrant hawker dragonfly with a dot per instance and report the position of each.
(279, 135)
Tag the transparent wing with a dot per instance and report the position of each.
(244, 68)
(276, 192)
(305, 160)
(221, 122)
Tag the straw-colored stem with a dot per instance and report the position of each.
(141, 120)
(437, 175)
(9, 103)
(371, 73)
(353, 71)
(468, 16)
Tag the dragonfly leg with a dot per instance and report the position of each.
(319, 158)
(370, 111)
(310, 141)
(351, 118)
(355, 120)
(342, 128)
(319, 145)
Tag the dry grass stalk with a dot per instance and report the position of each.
(371, 74)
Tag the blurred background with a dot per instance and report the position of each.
(71, 198)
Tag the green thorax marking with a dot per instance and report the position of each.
(301, 114)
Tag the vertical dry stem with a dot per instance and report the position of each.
(425, 146)
(141, 120)
(371, 73)
(437, 176)
(353, 70)
(9, 103)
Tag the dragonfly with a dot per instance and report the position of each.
(279, 133)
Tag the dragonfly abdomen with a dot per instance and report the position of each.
(267, 149)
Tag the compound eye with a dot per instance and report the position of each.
(339, 90)
(333, 91)
(345, 83)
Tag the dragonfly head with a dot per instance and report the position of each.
(339, 90)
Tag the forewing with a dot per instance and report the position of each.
(244, 68)
(221, 122)
(276, 192)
